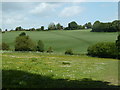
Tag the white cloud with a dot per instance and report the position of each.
(71, 11)
(9, 19)
(44, 9)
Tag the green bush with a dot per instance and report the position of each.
(69, 52)
(24, 43)
(40, 46)
(4, 46)
(103, 49)
(50, 50)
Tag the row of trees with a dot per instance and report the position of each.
(71, 26)
(106, 27)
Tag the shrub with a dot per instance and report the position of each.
(40, 46)
(4, 46)
(50, 50)
(22, 34)
(69, 52)
(24, 43)
(118, 45)
(103, 49)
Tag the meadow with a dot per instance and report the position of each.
(77, 40)
(43, 70)
(57, 70)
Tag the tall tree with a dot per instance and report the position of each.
(42, 28)
(58, 26)
(51, 26)
(73, 25)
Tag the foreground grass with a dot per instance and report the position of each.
(53, 70)
(60, 40)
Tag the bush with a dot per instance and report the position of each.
(69, 52)
(4, 46)
(50, 50)
(24, 43)
(118, 45)
(40, 46)
(103, 49)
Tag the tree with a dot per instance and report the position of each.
(32, 29)
(50, 50)
(19, 28)
(24, 43)
(4, 46)
(51, 26)
(6, 30)
(88, 25)
(118, 45)
(22, 34)
(95, 25)
(42, 28)
(72, 25)
(40, 46)
(0, 30)
(58, 26)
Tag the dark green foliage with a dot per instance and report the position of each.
(4, 46)
(59, 27)
(50, 50)
(118, 45)
(22, 34)
(106, 27)
(103, 49)
(42, 28)
(51, 26)
(32, 29)
(0, 30)
(72, 25)
(66, 63)
(24, 43)
(38, 29)
(40, 46)
(19, 29)
(88, 25)
(69, 52)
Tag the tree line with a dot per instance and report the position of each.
(106, 27)
(96, 27)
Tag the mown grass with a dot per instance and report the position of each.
(42, 70)
(60, 40)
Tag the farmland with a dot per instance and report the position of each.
(60, 40)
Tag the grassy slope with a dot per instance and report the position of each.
(62, 40)
(52, 65)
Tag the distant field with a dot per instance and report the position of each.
(78, 40)
(53, 70)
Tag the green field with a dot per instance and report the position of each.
(56, 70)
(42, 70)
(78, 40)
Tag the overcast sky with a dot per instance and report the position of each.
(36, 14)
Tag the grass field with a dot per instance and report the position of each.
(56, 70)
(78, 40)
(42, 70)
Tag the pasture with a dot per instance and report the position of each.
(43, 70)
(59, 40)
(56, 70)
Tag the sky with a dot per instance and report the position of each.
(37, 14)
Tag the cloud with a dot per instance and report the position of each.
(9, 19)
(44, 9)
(71, 11)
